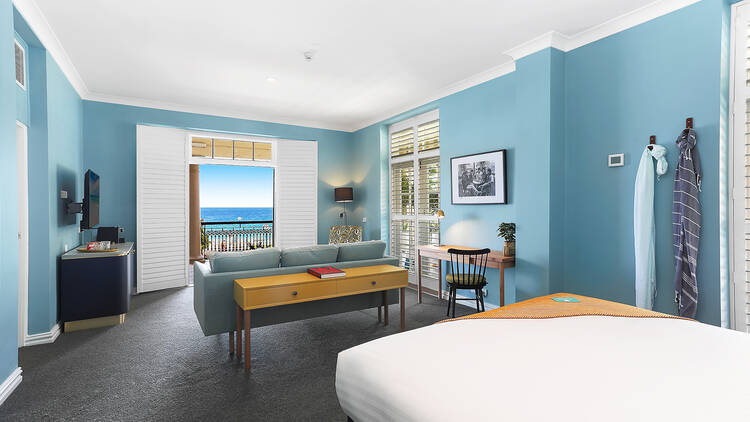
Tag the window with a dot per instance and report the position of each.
(739, 161)
(20, 65)
(231, 149)
(415, 192)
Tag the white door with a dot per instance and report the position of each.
(23, 230)
(162, 208)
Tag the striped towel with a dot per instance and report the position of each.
(686, 223)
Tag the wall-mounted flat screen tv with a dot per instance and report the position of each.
(90, 200)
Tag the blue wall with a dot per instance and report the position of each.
(559, 115)
(8, 206)
(513, 112)
(109, 134)
(640, 82)
(55, 151)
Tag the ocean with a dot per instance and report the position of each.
(234, 214)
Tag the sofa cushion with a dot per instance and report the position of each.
(359, 251)
(309, 255)
(258, 259)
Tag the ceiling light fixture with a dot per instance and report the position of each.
(308, 55)
(271, 79)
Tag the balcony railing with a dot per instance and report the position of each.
(225, 236)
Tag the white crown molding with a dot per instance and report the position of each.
(453, 88)
(629, 20)
(42, 338)
(549, 39)
(211, 111)
(10, 384)
(553, 39)
(39, 24)
(41, 27)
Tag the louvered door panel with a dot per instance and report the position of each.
(162, 208)
(415, 192)
(429, 186)
(402, 188)
(297, 203)
(402, 244)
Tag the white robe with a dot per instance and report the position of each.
(643, 225)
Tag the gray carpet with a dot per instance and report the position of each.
(159, 366)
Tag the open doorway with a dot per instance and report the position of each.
(235, 206)
(23, 230)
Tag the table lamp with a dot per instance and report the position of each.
(343, 195)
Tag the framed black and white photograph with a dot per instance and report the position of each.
(479, 178)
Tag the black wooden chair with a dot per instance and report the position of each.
(467, 273)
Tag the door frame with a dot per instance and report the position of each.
(22, 145)
(736, 179)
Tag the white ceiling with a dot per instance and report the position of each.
(372, 59)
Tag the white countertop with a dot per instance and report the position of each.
(122, 249)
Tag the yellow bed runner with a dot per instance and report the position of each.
(546, 307)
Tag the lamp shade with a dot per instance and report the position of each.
(343, 194)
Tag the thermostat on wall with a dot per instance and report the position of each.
(616, 160)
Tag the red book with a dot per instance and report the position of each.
(326, 272)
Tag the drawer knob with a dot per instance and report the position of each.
(374, 282)
(294, 293)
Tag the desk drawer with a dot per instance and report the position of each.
(270, 296)
(365, 284)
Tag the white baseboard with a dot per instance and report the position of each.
(10, 384)
(43, 338)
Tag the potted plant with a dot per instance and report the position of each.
(508, 232)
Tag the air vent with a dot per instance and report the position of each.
(20, 66)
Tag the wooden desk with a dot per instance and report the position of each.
(277, 290)
(496, 259)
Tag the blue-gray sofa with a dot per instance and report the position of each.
(213, 299)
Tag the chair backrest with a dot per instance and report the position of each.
(345, 234)
(468, 264)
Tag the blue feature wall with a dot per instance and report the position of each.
(8, 191)
(55, 151)
(109, 133)
(559, 115)
(518, 112)
(620, 90)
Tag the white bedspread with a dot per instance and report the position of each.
(587, 368)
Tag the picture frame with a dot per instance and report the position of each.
(479, 179)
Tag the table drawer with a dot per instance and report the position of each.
(365, 284)
(285, 294)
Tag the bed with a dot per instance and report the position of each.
(544, 360)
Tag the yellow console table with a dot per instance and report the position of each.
(278, 290)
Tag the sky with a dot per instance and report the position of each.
(236, 186)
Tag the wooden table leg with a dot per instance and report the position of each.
(238, 332)
(247, 340)
(231, 343)
(403, 309)
(385, 307)
(380, 314)
(419, 276)
(502, 284)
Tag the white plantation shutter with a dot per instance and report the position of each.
(162, 209)
(297, 203)
(415, 192)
